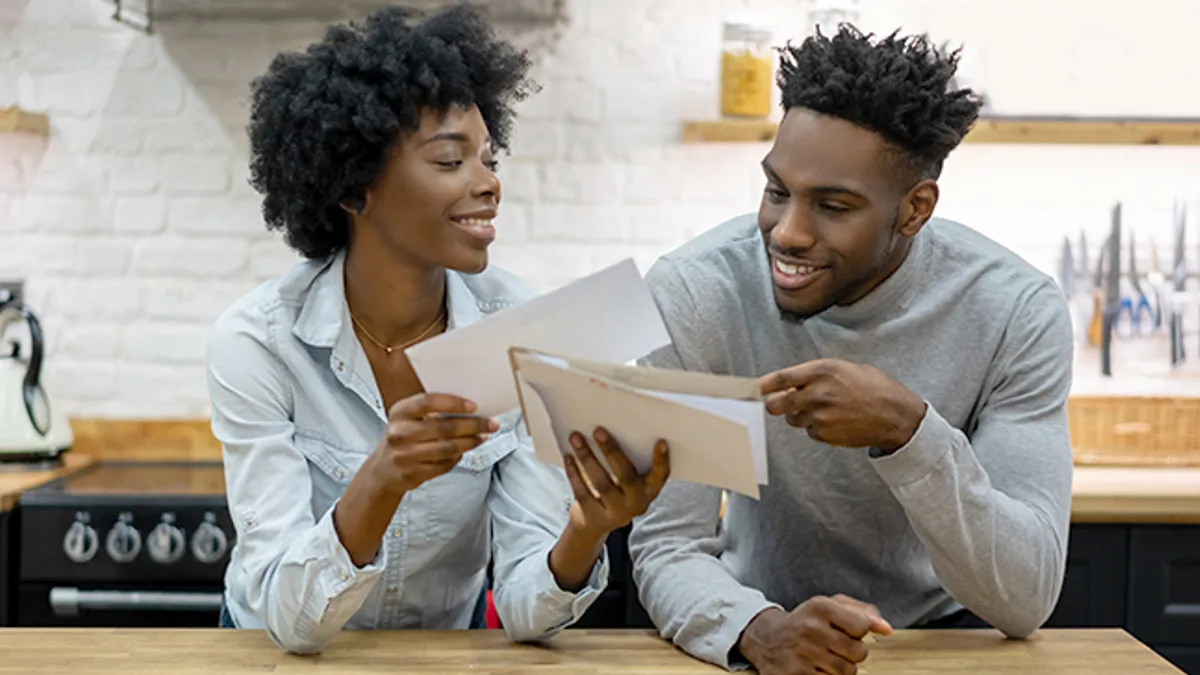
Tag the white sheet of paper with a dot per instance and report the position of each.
(606, 316)
(706, 446)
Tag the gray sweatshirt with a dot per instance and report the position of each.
(973, 512)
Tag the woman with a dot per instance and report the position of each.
(359, 500)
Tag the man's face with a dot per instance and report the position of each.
(834, 215)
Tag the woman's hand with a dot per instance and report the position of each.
(613, 500)
(427, 435)
(603, 503)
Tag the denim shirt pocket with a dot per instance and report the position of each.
(458, 498)
(331, 467)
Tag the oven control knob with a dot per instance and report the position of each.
(165, 543)
(124, 542)
(81, 542)
(209, 541)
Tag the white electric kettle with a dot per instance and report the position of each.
(31, 426)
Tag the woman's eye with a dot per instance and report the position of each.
(835, 208)
(450, 164)
(492, 165)
(776, 195)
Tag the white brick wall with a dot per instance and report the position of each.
(134, 227)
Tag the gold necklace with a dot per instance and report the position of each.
(388, 349)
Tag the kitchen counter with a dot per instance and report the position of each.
(1135, 495)
(14, 482)
(137, 652)
(1100, 494)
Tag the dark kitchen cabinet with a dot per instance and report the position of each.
(1143, 578)
(1094, 589)
(8, 567)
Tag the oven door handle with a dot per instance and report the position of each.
(70, 601)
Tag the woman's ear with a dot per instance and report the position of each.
(355, 204)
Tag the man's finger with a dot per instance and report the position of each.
(420, 405)
(879, 625)
(844, 647)
(852, 621)
(790, 378)
(626, 474)
(788, 401)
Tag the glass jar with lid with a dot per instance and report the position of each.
(747, 69)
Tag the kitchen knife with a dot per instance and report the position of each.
(1112, 292)
(1096, 325)
(1066, 269)
(1179, 279)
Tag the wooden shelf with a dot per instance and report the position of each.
(996, 129)
(15, 120)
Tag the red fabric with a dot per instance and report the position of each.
(493, 619)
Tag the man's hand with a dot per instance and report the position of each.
(823, 635)
(845, 404)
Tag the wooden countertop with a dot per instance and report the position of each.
(1135, 495)
(577, 652)
(13, 483)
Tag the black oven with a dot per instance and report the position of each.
(124, 545)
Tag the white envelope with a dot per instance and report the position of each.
(713, 424)
(606, 316)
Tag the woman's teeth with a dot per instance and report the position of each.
(473, 222)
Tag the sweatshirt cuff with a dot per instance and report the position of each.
(733, 624)
(916, 459)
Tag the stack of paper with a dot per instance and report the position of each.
(713, 424)
(562, 358)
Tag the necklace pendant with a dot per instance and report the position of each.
(388, 350)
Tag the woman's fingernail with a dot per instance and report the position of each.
(601, 435)
(577, 441)
(493, 425)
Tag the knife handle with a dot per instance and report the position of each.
(1106, 345)
(1096, 325)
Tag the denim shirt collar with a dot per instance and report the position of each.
(324, 322)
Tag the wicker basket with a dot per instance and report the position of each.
(1135, 430)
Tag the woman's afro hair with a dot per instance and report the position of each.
(902, 88)
(324, 120)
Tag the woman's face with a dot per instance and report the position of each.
(436, 199)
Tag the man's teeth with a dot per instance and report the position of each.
(793, 270)
(474, 222)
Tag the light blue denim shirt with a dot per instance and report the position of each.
(297, 410)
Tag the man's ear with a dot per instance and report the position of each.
(917, 207)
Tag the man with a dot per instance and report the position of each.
(915, 374)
